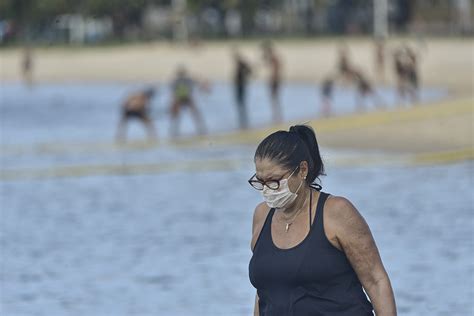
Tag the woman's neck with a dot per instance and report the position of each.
(299, 203)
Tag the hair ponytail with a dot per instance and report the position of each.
(315, 162)
(291, 148)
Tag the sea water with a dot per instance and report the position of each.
(176, 241)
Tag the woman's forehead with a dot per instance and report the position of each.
(267, 168)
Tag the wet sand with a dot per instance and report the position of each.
(445, 127)
(434, 133)
(445, 63)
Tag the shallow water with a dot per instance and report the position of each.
(85, 112)
(176, 242)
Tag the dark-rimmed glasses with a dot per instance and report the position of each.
(271, 184)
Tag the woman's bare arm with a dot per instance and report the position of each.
(261, 212)
(259, 216)
(256, 311)
(355, 238)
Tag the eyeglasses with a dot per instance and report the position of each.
(271, 184)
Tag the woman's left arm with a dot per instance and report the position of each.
(354, 237)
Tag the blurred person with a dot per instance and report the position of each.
(327, 88)
(399, 68)
(364, 90)
(379, 59)
(273, 61)
(406, 71)
(343, 63)
(137, 106)
(412, 73)
(27, 66)
(313, 253)
(182, 88)
(241, 75)
(350, 74)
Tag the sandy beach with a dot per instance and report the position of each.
(444, 63)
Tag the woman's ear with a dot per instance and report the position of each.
(303, 169)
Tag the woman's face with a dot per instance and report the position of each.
(267, 170)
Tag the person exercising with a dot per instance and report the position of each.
(136, 106)
(182, 88)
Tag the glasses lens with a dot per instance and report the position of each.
(256, 184)
(273, 185)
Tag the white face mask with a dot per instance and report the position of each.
(282, 197)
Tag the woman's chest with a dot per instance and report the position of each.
(307, 263)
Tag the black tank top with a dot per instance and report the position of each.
(314, 278)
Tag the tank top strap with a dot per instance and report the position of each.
(318, 220)
(266, 232)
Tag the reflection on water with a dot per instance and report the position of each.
(177, 243)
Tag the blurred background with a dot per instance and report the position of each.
(128, 130)
(87, 22)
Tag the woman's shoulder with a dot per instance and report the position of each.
(259, 216)
(340, 213)
(337, 202)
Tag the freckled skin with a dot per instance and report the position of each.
(344, 227)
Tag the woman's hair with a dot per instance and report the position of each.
(290, 148)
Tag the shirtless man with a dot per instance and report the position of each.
(136, 106)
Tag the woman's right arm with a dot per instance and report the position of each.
(256, 312)
(259, 216)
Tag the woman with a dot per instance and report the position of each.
(312, 252)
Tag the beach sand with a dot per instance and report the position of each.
(444, 63)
